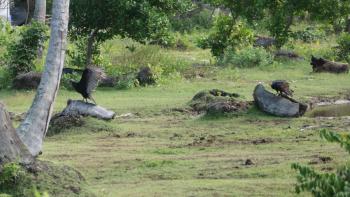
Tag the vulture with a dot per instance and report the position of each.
(88, 82)
(282, 87)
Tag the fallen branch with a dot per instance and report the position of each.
(76, 108)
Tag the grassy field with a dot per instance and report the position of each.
(159, 151)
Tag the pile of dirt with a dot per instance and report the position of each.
(60, 123)
(216, 102)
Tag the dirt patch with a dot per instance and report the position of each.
(320, 160)
(205, 140)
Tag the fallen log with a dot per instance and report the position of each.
(277, 105)
(80, 108)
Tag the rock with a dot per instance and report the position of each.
(108, 82)
(323, 65)
(145, 76)
(277, 105)
(248, 162)
(29, 80)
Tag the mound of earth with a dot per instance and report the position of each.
(46, 177)
(216, 102)
(59, 123)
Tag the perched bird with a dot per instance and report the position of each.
(282, 87)
(88, 82)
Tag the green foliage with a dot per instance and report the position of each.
(76, 52)
(327, 184)
(308, 35)
(343, 48)
(247, 57)
(227, 33)
(21, 54)
(14, 181)
(188, 23)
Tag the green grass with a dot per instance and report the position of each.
(154, 153)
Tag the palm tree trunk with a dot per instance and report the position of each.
(40, 10)
(33, 129)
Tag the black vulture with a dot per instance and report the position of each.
(88, 82)
(282, 87)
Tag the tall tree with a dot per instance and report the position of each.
(26, 142)
(100, 20)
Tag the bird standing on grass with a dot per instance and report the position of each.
(88, 82)
(282, 87)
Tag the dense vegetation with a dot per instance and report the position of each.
(162, 147)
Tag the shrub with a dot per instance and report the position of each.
(21, 54)
(227, 33)
(327, 184)
(343, 48)
(308, 35)
(247, 57)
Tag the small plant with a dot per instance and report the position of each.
(327, 184)
(343, 48)
(21, 54)
(247, 57)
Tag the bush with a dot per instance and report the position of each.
(308, 35)
(327, 184)
(227, 33)
(343, 48)
(247, 57)
(21, 54)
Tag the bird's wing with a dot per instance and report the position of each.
(92, 75)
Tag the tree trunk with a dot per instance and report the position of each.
(277, 105)
(11, 147)
(40, 10)
(40, 16)
(90, 47)
(33, 129)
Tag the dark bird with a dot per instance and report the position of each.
(88, 82)
(282, 87)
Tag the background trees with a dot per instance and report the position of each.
(99, 20)
(281, 15)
